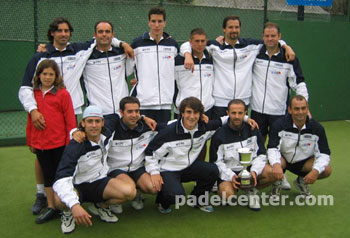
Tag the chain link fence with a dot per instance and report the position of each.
(24, 24)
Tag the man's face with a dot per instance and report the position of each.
(271, 37)
(156, 24)
(131, 115)
(190, 118)
(198, 43)
(232, 30)
(298, 110)
(62, 35)
(104, 34)
(236, 112)
(93, 126)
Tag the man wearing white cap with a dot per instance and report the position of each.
(82, 176)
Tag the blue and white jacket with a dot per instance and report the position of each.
(71, 62)
(285, 140)
(198, 83)
(81, 163)
(232, 68)
(154, 71)
(272, 79)
(105, 79)
(127, 150)
(175, 148)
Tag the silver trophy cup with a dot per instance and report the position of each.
(244, 177)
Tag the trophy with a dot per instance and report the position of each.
(244, 177)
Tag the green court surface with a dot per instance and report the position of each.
(18, 190)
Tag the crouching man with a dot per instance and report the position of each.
(171, 157)
(298, 144)
(82, 176)
(224, 147)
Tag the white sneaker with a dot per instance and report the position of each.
(276, 191)
(68, 223)
(105, 214)
(285, 184)
(116, 208)
(207, 208)
(137, 203)
(302, 187)
(254, 199)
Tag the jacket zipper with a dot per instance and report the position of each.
(295, 149)
(265, 89)
(132, 145)
(234, 71)
(110, 81)
(160, 100)
(188, 155)
(200, 79)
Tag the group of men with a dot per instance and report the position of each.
(220, 79)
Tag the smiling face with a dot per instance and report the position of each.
(299, 110)
(61, 36)
(232, 30)
(47, 78)
(93, 127)
(236, 112)
(271, 36)
(104, 35)
(156, 24)
(131, 114)
(190, 118)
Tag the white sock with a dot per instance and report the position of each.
(40, 189)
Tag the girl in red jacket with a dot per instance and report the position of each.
(55, 104)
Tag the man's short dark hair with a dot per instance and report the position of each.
(128, 99)
(236, 101)
(103, 21)
(197, 31)
(272, 25)
(193, 103)
(226, 19)
(156, 11)
(54, 27)
(298, 98)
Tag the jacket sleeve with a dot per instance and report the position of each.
(25, 93)
(296, 80)
(217, 156)
(185, 48)
(68, 112)
(322, 152)
(63, 185)
(273, 152)
(155, 152)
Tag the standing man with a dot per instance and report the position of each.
(224, 144)
(198, 83)
(273, 76)
(105, 73)
(233, 62)
(299, 144)
(155, 53)
(171, 157)
(82, 176)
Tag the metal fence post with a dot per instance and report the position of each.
(35, 25)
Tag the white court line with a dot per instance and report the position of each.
(347, 120)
